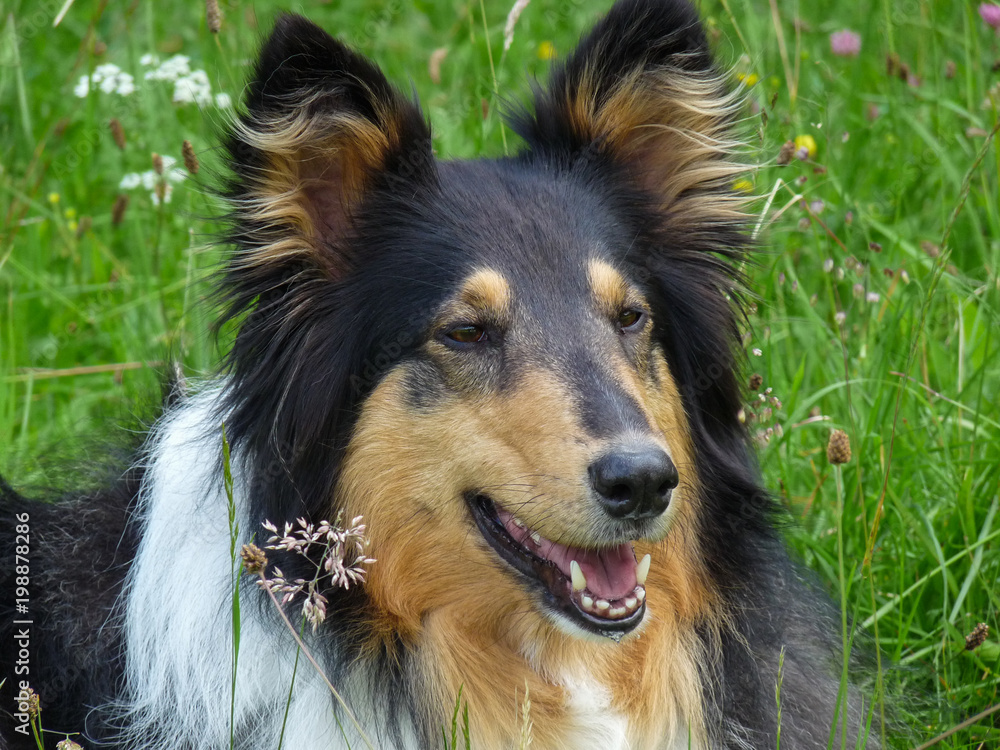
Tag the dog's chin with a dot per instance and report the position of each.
(602, 595)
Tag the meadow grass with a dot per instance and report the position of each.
(876, 277)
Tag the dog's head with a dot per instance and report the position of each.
(518, 370)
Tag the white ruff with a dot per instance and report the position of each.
(177, 615)
(600, 725)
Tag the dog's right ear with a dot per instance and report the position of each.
(321, 129)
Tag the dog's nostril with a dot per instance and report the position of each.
(633, 483)
(620, 493)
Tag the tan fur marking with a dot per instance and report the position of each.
(674, 128)
(608, 287)
(487, 290)
(465, 614)
(317, 166)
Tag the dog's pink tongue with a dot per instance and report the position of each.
(610, 573)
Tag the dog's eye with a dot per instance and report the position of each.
(629, 320)
(470, 334)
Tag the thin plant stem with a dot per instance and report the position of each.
(312, 660)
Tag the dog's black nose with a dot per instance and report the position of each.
(634, 484)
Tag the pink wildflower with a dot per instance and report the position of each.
(846, 43)
(990, 13)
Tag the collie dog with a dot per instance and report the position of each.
(522, 373)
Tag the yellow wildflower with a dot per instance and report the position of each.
(546, 51)
(807, 142)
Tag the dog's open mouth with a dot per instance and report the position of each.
(600, 590)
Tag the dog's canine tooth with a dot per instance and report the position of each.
(579, 581)
(643, 570)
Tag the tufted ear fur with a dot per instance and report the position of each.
(323, 144)
(322, 128)
(641, 89)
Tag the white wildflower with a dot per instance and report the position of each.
(82, 87)
(109, 78)
(872, 297)
(149, 60)
(167, 189)
(758, 353)
(223, 101)
(130, 181)
(174, 68)
(193, 88)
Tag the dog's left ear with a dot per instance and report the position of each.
(321, 129)
(642, 90)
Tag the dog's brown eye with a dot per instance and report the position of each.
(629, 319)
(467, 334)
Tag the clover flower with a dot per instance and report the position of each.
(990, 13)
(845, 43)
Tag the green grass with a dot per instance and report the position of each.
(908, 213)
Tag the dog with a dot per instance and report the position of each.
(522, 373)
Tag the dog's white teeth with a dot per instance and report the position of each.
(639, 593)
(643, 570)
(536, 538)
(587, 603)
(602, 605)
(579, 581)
(616, 611)
(631, 603)
(518, 522)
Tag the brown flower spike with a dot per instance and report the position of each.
(190, 160)
(117, 132)
(213, 17)
(118, 211)
(977, 637)
(254, 559)
(838, 450)
(786, 153)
